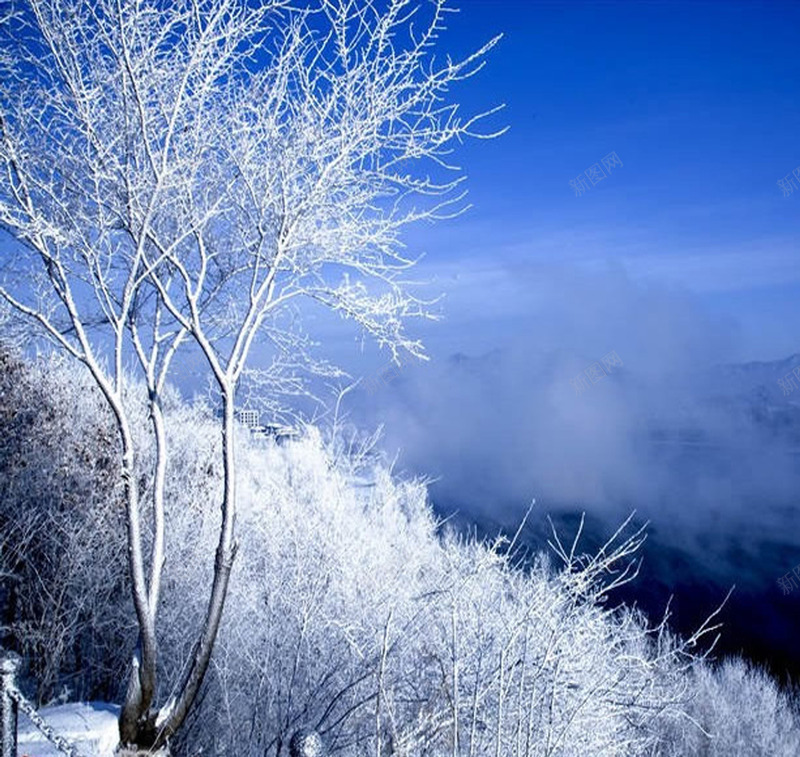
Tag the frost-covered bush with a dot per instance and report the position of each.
(64, 589)
(350, 611)
(63, 592)
(350, 614)
(739, 710)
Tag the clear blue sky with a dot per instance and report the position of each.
(700, 101)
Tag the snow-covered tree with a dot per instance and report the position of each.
(186, 173)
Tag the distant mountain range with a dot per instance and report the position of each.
(768, 393)
(764, 394)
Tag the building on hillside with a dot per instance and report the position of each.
(278, 432)
(249, 418)
(281, 433)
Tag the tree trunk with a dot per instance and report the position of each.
(226, 552)
(142, 682)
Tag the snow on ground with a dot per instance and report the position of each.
(91, 726)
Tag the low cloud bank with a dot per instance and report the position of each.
(667, 424)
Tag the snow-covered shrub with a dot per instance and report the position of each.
(350, 614)
(65, 601)
(736, 709)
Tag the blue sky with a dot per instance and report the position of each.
(700, 101)
(686, 256)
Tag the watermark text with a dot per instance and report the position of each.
(595, 173)
(595, 372)
(790, 182)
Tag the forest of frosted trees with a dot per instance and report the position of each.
(350, 611)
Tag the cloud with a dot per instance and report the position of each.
(665, 433)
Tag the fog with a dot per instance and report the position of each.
(501, 426)
(702, 446)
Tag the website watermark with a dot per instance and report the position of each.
(790, 381)
(790, 581)
(382, 377)
(790, 182)
(597, 371)
(595, 173)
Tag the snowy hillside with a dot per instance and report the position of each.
(350, 609)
